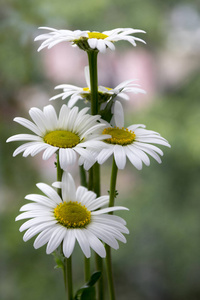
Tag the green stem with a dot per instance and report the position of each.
(86, 260)
(87, 269)
(92, 60)
(59, 173)
(68, 277)
(67, 271)
(113, 182)
(100, 282)
(94, 174)
(83, 177)
(110, 272)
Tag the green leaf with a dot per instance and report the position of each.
(87, 291)
(88, 294)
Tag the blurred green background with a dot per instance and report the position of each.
(161, 258)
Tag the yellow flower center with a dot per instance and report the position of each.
(62, 139)
(120, 136)
(97, 35)
(86, 89)
(72, 214)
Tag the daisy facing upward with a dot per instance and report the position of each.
(69, 135)
(76, 215)
(134, 142)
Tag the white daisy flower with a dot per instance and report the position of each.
(133, 142)
(88, 40)
(104, 93)
(76, 215)
(69, 134)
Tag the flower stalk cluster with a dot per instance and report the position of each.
(65, 214)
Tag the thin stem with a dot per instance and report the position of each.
(100, 282)
(86, 260)
(92, 60)
(96, 179)
(94, 174)
(110, 272)
(68, 277)
(59, 173)
(87, 268)
(83, 177)
(113, 182)
(67, 271)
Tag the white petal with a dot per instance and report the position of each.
(135, 160)
(43, 237)
(120, 156)
(38, 117)
(150, 152)
(80, 193)
(149, 146)
(95, 244)
(102, 234)
(35, 230)
(110, 45)
(140, 154)
(24, 147)
(49, 152)
(63, 116)
(109, 224)
(56, 239)
(87, 198)
(67, 157)
(87, 76)
(72, 101)
(51, 117)
(83, 242)
(72, 118)
(118, 114)
(153, 140)
(92, 43)
(28, 124)
(108, 209)
(36, 221)
(101, 46)
(23, 137)
(34, 206)
(69, 242)
(42, 200)
(68, 187)
(34, 214)
(38, 147)
(50, 192)
(113, 218)
(86, 154)
(135, 126)
(97, 203)
(104, 155)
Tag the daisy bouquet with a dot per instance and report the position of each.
(63, 214)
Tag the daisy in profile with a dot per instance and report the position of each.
(134, 142)
(88, 40)
(105, 94)
(69, 135)
(76, 215)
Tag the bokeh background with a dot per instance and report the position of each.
(161, 258)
